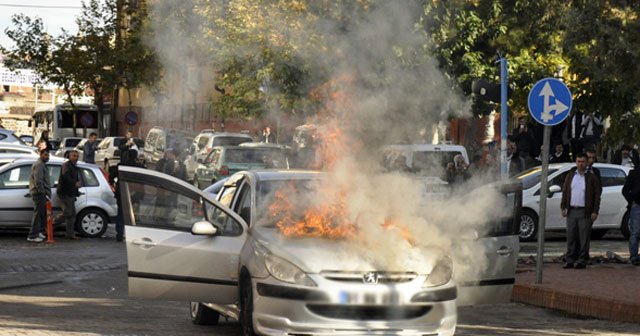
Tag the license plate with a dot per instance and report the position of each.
(365, 298)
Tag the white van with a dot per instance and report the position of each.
(425, 159)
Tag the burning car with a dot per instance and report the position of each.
(265, 253)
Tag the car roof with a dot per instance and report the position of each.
(14, 145)
(280, 175)
(52, 159)
(217, 134)
(260, 145)
(597, 165)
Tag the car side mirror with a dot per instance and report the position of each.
(554, 189)
(204, 228)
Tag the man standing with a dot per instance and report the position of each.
(267, 136)
(40, 190)
(574, 133)
(128, 150)
(591, 131)
(626, 156)
(89, 150)
(631, 192)
(580, 205)
(559, 155)
(68, 186)
(525, 142)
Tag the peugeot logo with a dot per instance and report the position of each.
(370, 278)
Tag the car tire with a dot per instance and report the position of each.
(528, 225)
(92, 223)
(598, 233)
(624, 227)
(203, 315)
(246, 307)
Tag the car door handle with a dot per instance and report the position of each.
(143, 242)
(505, 251)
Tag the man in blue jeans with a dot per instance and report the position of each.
(631, 192)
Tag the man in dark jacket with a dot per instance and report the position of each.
(559, 155)
(580, 205)
(631, 192)
(68, 191)
(128, 150)
(89, 150)
(40, 190)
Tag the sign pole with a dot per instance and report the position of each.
(504, 170)
(544, 189)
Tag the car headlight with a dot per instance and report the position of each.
(286, 271)
(440, 274)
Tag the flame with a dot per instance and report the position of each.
(390, 224)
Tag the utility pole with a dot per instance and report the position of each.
(115, 100)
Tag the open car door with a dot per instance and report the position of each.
(165, 259)
(500, 243)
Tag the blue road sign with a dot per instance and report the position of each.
(131, 118)
(87, 120)
(549, 101)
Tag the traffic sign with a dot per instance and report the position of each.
(87, 120)
(550, 101)
(131, 118)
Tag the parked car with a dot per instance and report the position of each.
(8, 136)
(55, 144)
(425, 159)
(95, 207)
(9, 148)
(613, 206)
(80, 149)
(27, 139)
(227, 160)
(66, 145)
(108, 152)
(204, 142)
(228, 258)
(159, 139)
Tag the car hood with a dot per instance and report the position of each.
(314, 255)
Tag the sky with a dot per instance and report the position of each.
(55, 14)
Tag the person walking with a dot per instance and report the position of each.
(631, 192)
(68, 191)
(40, 190)
(89, 150)
(580, 204)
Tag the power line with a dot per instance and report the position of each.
(39, 6)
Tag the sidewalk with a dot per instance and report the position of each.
(609, 291)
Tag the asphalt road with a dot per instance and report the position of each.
(80, 288)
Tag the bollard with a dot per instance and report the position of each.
(50, 222)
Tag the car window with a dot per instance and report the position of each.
(243, 203)
(226, 197)
(54, 174)
(531, 177)
(202, 141)
(559, 180)
(71, 142)
(160, 207)
(151, 141)
(612, 177)
(226, 225)
(432, 163)
(117, 142)
(229, 140)
(15, 178)
(213, 158)
(89, 179)
(2, 137)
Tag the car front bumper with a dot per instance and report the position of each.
(353, 309)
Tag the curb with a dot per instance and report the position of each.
(577, 304)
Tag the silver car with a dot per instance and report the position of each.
(95, 207)
(66, 145)
(226, 258)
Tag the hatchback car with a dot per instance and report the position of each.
(613, 206)
(66, 145)
(227, 257)
(226, 160)
(95, 207)
(8, 148)
(108, 152)
(204, 142)
(7, 136)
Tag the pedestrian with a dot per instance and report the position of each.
(43, 142)
(68, 191)
(591, 130)
(592, 158)
(267, 136)
(128, 150)
(515, 164)
(89, 150)
(626, 156)
(40, 190)
(580, 205)
(559, 155)
(574, 133)
(170, 164)
(525, 142)
(457, 172)
(631, 192)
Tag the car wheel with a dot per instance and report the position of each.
(598, 233)
(528, 225)
(246, 307)
(624, 228)
(92, 223)
(203, 315)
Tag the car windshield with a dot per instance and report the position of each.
(117, 142)
(531, 177)
(271, 157)
(229, 140)
(295, 196)
(71, 142)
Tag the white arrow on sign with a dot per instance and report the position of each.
(558, 107)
